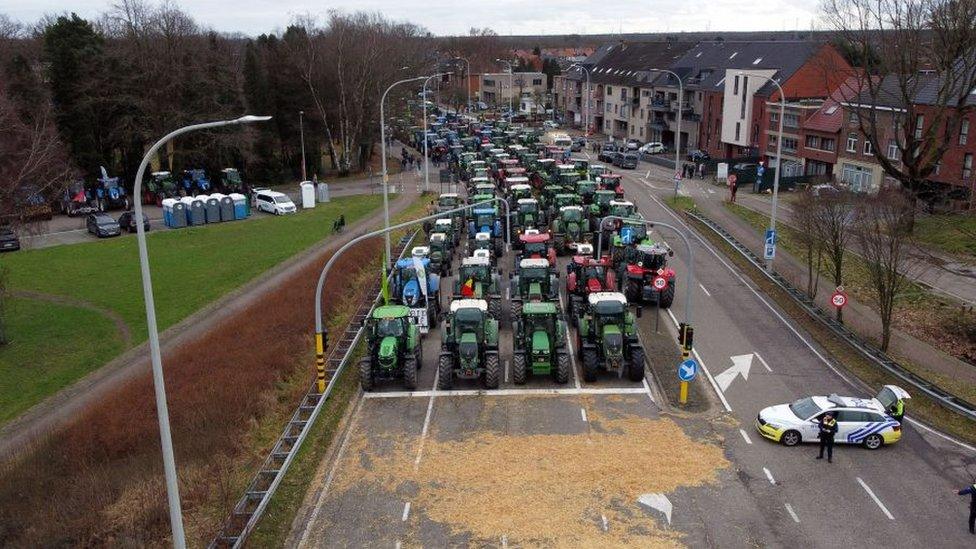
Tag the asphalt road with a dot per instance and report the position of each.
(898, 496)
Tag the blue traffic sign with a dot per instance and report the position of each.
(687, 370)
(769, 250)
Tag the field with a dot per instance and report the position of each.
(190, 268)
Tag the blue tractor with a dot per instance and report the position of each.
(486, 220)
(110, 194)
(415, 286)
(195, 182)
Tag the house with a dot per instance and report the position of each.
(501, 87)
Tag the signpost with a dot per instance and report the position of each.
(839, 298)
(688, 368)
(677, 182)
(660, 283)
(769, 250)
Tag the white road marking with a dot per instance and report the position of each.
(875, 498)
(569, 344)
(506, 371)
(704, 290)
(606, 525)
(423, 432)
(721, 396)
(789, 509)
(648, 174)
(511, 392)
(745, 436)
(406, 512)
(647, 388)
(763, 361)
(769, 475)
(741, 364)
(504, 542)
(583, 414)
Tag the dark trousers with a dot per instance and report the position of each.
(828, 443)
(972, 519)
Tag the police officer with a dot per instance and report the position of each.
(898, 410)
(828, 428)
(971, 491)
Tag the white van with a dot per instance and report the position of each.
(562, 140)
(274, 202)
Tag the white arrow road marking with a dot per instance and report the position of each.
(658, 502)
(740, 365)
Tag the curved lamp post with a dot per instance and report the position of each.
(511, 88)
(426, 157)
(589, 91)
(677, 138)
(159, 386)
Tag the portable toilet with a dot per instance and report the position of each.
(323, 192)
(195, 210)
(211, 208)
(226, 206)
(168, 211)
(308, 195)
(242, 208)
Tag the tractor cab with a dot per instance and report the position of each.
(609, 316)
(535, 280)
(110, 193)
(485, 242)
(646, 276)
(447, 202)
(440, 253)
(393, 347)
(623, 208)
(483, 188)
(446, 226)
(537, 245)
(230, 181)
(565, 199)
(546, 165)
(528, 215)
(521, 182)
(586, 275)
(569, 227)
(597, 170)
(568, 176)
(585, 189)
(540, 343)
(416, 287)
(519, 190)
(469, 345)
(601, 201)
(159, 186)
(477, 279)
(582, 167)
(611, 182)
(195, 182)
(484, 220)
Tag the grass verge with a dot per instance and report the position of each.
(950, 233)
(843, 354)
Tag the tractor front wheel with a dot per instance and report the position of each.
(491, 371)
(590, 364)
(445, 372)
(518, 369)
(366, 374)
(562, 367)
(495, 308)
(666, 298)
(635, 370)
(410, 373)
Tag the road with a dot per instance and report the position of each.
(395, 480)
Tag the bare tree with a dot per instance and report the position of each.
(917, 67)
(805, 218)
(831, 221)
(883, 232)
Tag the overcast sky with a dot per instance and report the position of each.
(254, 17)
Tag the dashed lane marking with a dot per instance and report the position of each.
(745, 436)
(704, 290)
(769, 475)
(406, 512)
(875, 498)
(583, 414)
(763, 361)
(789, 509)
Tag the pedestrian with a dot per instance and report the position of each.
(701, 170)
(733, 186)
(971, 492)
(828, 428)
(403, 164)
(897, 410)
(342, 221)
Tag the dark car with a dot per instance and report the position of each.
(698, 155)
(579, 143)
(8, 240)
(102, 225)
(627, 161)
(127, 221)
(606, 153)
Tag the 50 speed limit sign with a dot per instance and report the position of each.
(659, 283)
(838, 298)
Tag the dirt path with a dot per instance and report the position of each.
(45, 417)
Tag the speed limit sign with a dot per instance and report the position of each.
(838, 298)
(660, 283)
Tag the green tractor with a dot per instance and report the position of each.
(607, 338)
(568, 177)
(569, 228)
(586, 189)
(539, 344)
(441, 253)
(600, 207)
(528, 215)
(534, 280)
(469, 345)
(393, 348)
(477, 280)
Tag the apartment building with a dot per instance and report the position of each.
(500, 87)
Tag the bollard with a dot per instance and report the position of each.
(320, 362)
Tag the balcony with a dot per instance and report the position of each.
(659, 105)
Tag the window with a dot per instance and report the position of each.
(858, 177)
(536, 81)
(868, 148)
(735, 86)
(813, 142)
(964, 132)
(919, 124)
(791, 120)
(892, 149)
(828, 144)
(609, 90)
(489, 83)
(852, 118)
(737, 129)
(967, 166)
(745, 86)
(852, 142)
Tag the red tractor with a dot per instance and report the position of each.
(645, 276)
(535, 245)
(586, 275)
(611, 182)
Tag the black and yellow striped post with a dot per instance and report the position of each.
(320, 343)
(686, 336)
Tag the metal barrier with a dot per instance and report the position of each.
(253, 503)
(941, 396)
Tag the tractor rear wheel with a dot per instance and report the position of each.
(561, 373)
(633, 290)
(518, 369)
(495, 308)
(516, 312)
(491, 370)
(575, 307)
(559, 243)
(635, 370)
(366, 374)
(445, 372)
(590, 364)
(666, 298)
(410, 373)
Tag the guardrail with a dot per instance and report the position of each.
(941, 396)
(253, 503)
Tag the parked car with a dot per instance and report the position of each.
(127, 221)
(8, 240)
(627, 161)
(579, 143)
(698, 155)
(274, 202)
(654, 147)
(103, 225)
(607, 152)
(550, 124)
(824, 189)
(633, 145)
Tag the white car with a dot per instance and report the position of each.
(654, 147)
(859, 420)
(274, 202)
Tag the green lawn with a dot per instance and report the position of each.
(190, 268)
(50, 346)
(954, 234)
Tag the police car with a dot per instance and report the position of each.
(859, 420)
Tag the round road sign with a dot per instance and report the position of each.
(659, 283)
(838, 299)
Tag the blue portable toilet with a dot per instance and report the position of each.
(226, 206)
(211, 208)
(241, 206)
(168, 211)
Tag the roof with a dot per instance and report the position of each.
(626, 63)
(584, 249)
(469, 304)
(481, 253)
(391, 311)
(621, 203)
(449, 195)
(534, 238)
(443, 222)
(829, 118)
(527, 201)
(516, 180)
(438, 237)
(539, 308)
(571, 207)
(408, 262)
(482, 236)
(475, 261)
(531, 262)
(597, 297)
(420, 251)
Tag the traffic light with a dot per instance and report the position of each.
(686, 336)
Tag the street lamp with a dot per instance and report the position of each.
(779, 164)
(386, 177)
(159, 386)
(589, 91)
(511, 87)
(427, 158)
(677, 138)
(467, 76)
(301, 132)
